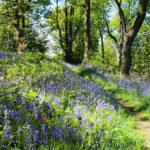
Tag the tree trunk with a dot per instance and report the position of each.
(18, 31)
(87, 37)
(17, 24)
(23, 17)
(59, 29)
(130, 36)
(70, 40)
(122, 32)
(66, 32)
(22, 34)
(102, 44)
(119, 57)
(127, 55)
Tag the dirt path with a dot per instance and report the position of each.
(144, 126)
(142, 123)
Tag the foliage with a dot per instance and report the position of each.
(34, 42)
(110, 56)
(49, 104)
(36, 11)
(8, 41)
(141, 51)
(78, 27)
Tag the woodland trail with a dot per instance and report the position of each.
(142, 124)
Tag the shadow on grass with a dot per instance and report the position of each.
(88, 72)
(129, 109)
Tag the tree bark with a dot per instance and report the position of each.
(66, 33)
(122, 31)
(127, 56)
(22, 34)
(23, 17)
(70, 40)
(121, 15)
(18, 30)
(87, 37)
(102, 44)
(130, 36)
(58, 27)
(17, 24)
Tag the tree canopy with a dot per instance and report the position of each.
(81, 31)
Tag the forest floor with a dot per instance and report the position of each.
(142, 123)
(74, 110)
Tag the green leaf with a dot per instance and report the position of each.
(42, 147)
(15, 148)
(31, 93)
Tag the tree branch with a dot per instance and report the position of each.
(110, 34)
(121, 14)
(141, 13)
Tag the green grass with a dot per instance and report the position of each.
(131, 97)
